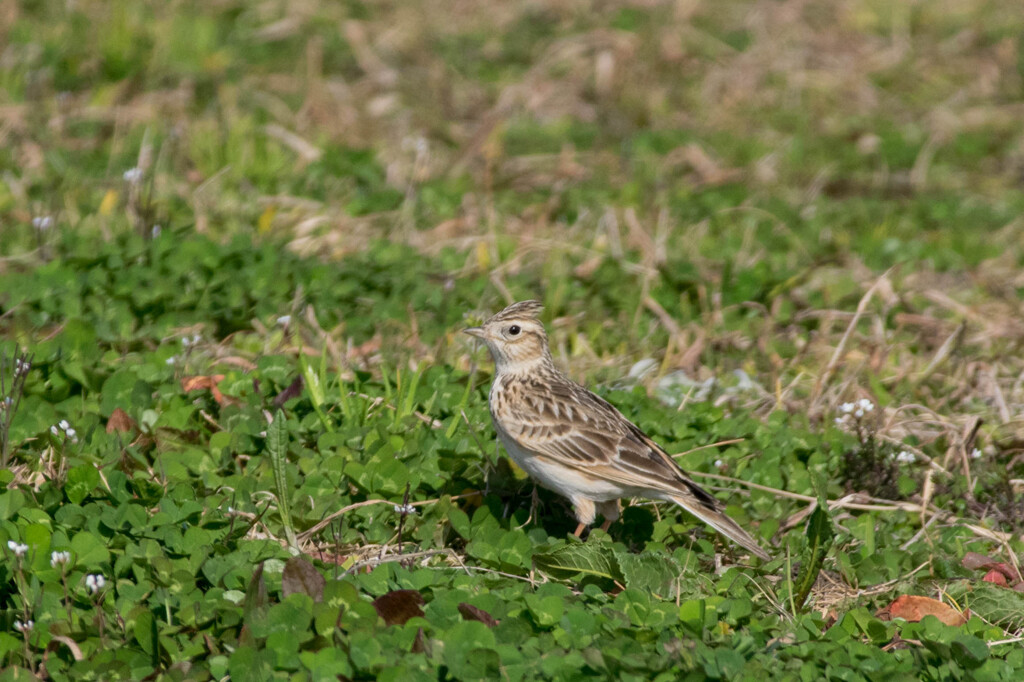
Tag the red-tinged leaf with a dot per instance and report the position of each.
(995, 577)
(120, 422)
(972, 561)
(913, 609)
(1019, 587)
(975, 561)
(398, 606)
(294, 390)
(470, 612)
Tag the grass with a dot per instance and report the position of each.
(240, 240)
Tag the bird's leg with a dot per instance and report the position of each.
(579, 529)
(611, 511)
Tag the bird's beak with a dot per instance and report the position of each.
(478, 332)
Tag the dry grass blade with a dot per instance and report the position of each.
(837, 356)
(326, 521)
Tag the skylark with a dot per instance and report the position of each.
(576, 443)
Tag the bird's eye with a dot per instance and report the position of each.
(514, 330)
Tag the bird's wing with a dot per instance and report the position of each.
(570, 425)
(575, 428)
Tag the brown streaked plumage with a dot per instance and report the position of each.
(576, 443)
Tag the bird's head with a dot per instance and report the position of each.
(515, 336)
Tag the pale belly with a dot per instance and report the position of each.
(567, 481)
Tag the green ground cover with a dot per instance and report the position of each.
(238, 241)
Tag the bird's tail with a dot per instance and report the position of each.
(722, 523)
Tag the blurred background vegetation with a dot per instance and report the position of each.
(714, 174)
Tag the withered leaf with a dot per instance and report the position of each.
(974, 561)
(398, 606)
(199, 383)
(120, 421)
(914, 608)
(294, 390)
(470, 612)
(300, 576)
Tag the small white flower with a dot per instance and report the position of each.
(42, 222)
(21, 367)
(719, 464)
(94, 582)
(284, 320)
(24, 627)
(171, 360)
(132, 176)
(63, 424)
(846, 408)
(155, 232)
(71, 432)
(59, 558)
(865, 405)
(405, 509)
(54, 430)
(975, 453)
(18, 549)
(858, 413)
(905, 457)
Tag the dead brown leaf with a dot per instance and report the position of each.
(914, 608)
(199, 383)
(120, 422)
(398, 606)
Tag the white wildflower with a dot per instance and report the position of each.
(63, 424)
(18, 548)
(94, 582)
(155, 232)
(846, 408)
(24, 627)
(284, 320)
(132, 176)
(42, 222)
(54, 430)
(905, 457)
(975, 453)
(171, 360)
(405, 509)
(59, 558)
(719, 464)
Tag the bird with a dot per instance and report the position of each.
(576, 443)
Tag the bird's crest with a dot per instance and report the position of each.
(520, 310)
